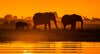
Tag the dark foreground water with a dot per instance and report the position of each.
(49, 35)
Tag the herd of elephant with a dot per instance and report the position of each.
(46, 17)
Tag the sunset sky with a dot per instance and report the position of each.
(25, 8)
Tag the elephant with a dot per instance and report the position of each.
(71, 19)
(21, 25)
(45, 18)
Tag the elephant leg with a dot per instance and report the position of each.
(49, 26)
(18, 27)
(64, 26)
(34, 27)
(81, 24)
(73, 26)
(45, 26)
(55, 24)
(24, 26)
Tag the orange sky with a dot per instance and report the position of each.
(25, 8)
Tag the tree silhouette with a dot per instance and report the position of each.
(8, 18)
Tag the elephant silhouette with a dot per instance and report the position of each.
(44, 18)
(21, 25)
(72, 19)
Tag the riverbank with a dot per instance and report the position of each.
(49, 35)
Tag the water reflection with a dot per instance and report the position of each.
(19, 47)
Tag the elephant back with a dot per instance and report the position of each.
(69, 19)
(66, 19)
(38, 18)
(76, 17)
(43, 18)
(50, 16)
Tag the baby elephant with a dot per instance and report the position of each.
(21, 25)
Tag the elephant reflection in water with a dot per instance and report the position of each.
(44, 18)
(71, 19)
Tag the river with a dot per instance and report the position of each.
(68, 47)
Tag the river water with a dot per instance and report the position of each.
(68, 47)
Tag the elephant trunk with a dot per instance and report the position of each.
(81, 24)
(55, 22)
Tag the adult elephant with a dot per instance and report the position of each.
(44, 18)
(72, 19)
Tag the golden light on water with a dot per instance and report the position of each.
(26, 52)
(19, 47)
